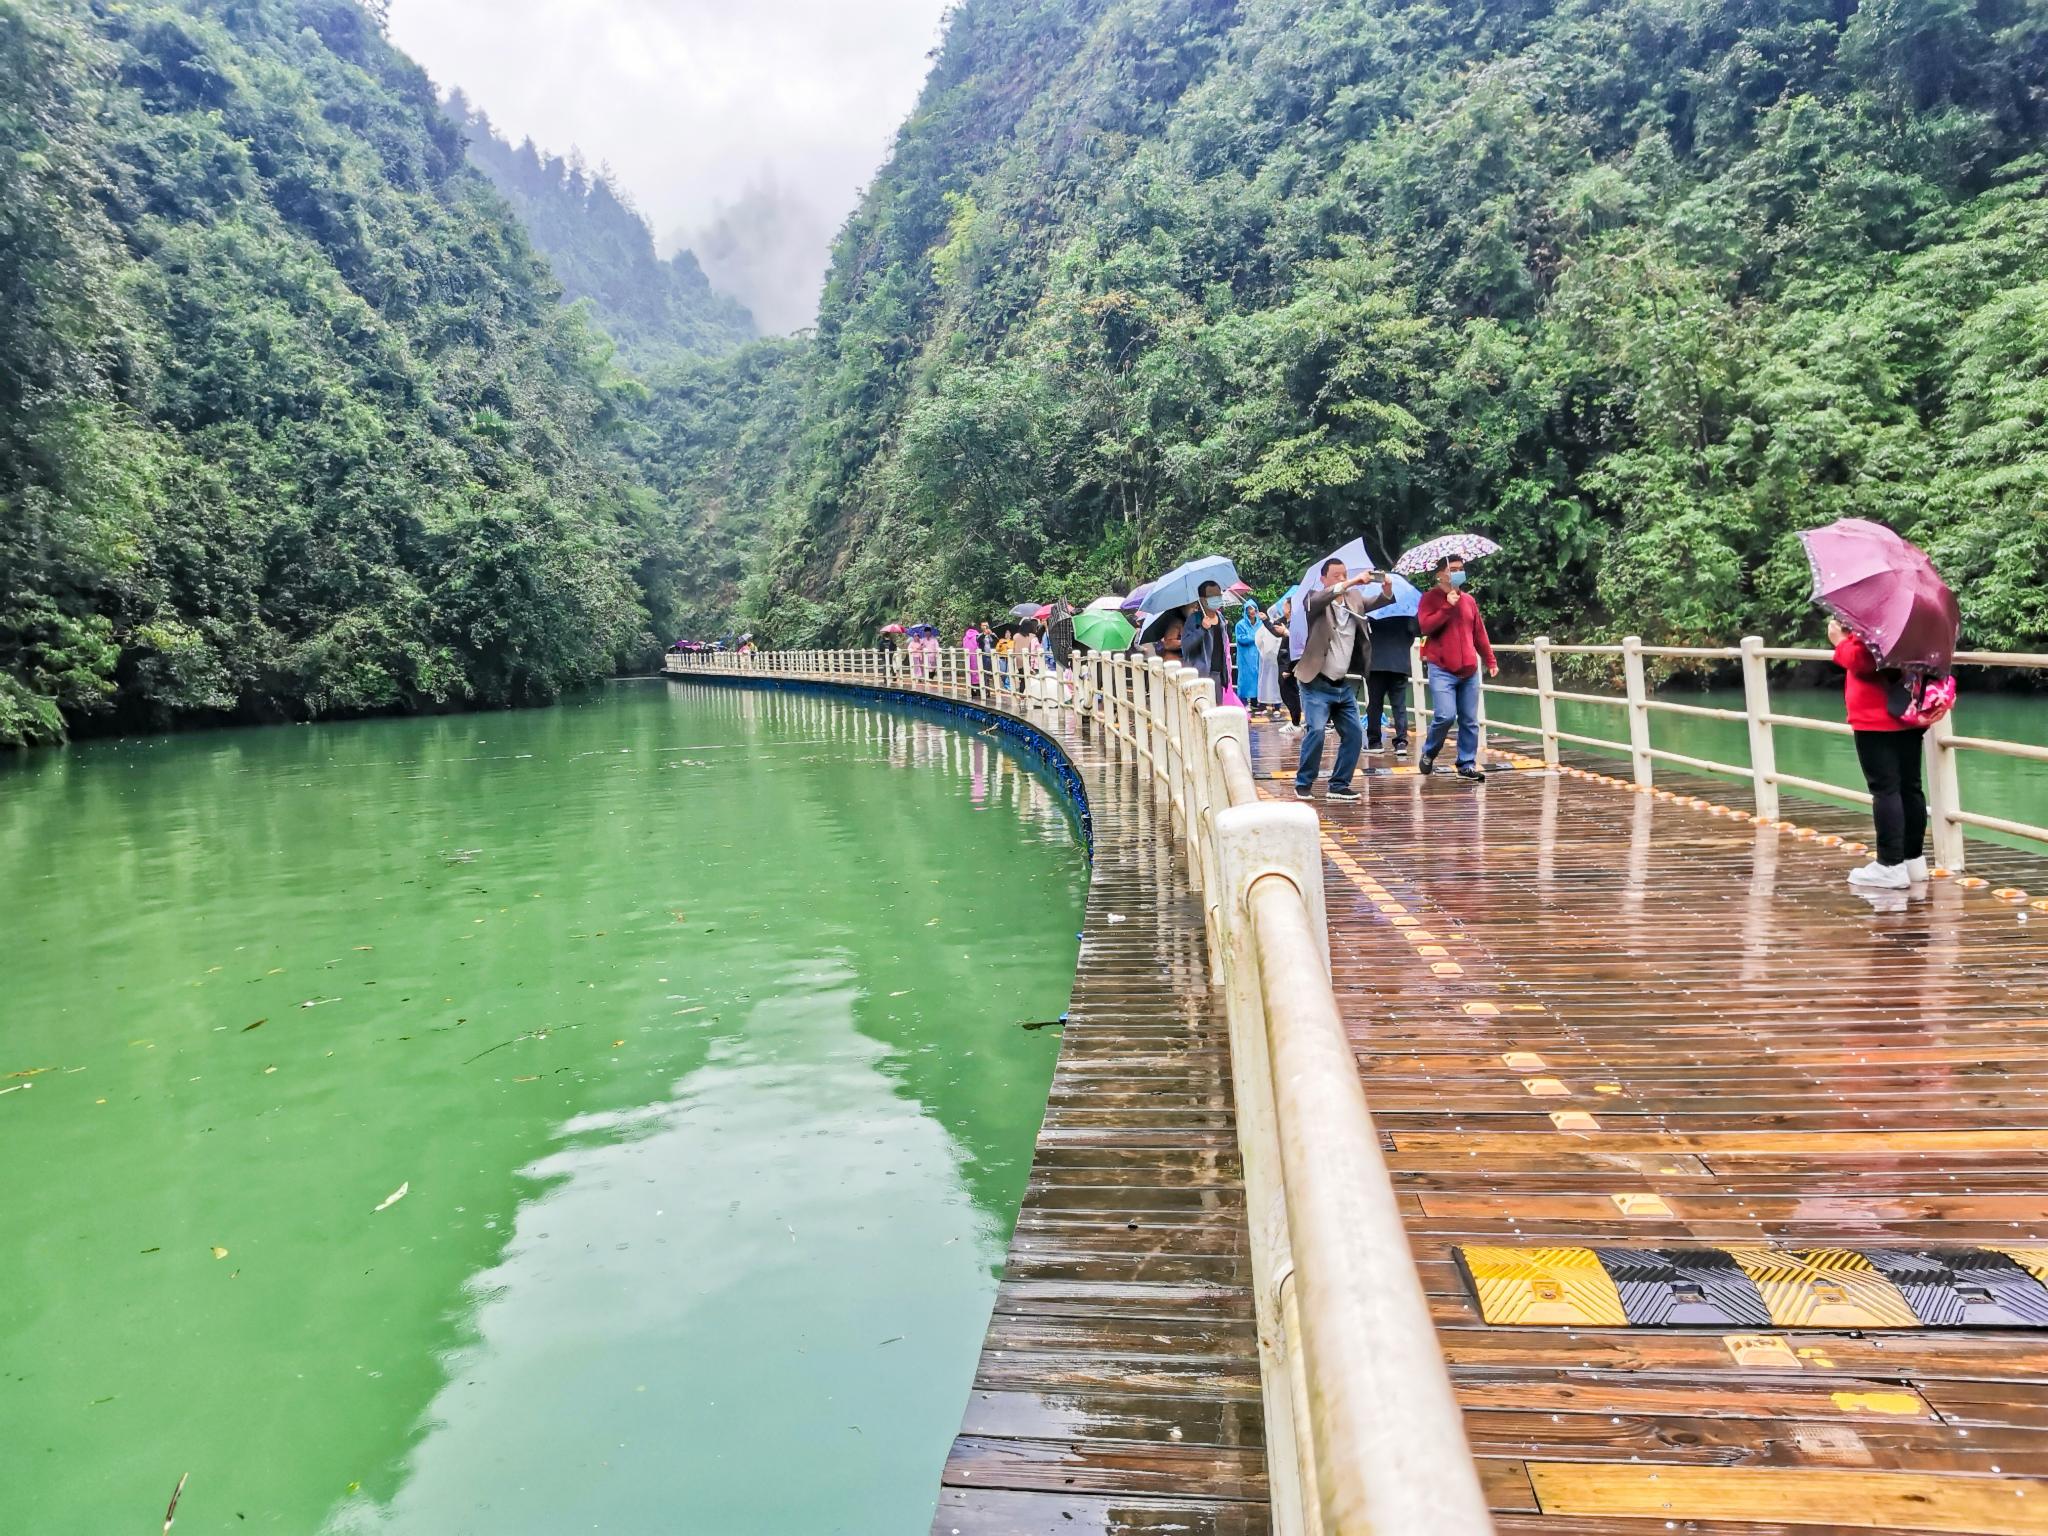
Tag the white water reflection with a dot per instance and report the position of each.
(721, 1313)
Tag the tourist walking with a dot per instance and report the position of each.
(1006, 646)
(1336, 624)
(1890, 751)
(1270, 642)
(970, 642)
(1249, 672)
(1386, 680)
(1454, 644)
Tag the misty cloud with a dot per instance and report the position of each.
(768, 250)
(751, 127)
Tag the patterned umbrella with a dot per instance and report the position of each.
(1135, 602)
(1886, 591)
(1466, 546)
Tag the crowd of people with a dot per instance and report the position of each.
(1328, 657)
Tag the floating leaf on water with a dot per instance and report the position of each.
(617, 1043)
(257, 1025)
(220, 1253)
(30, 1072)
(394, 1197)
(17, 1088)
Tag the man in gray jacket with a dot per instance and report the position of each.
(1336, 624)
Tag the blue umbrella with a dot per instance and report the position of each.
(1179, 586)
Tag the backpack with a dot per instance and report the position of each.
(1916, 699)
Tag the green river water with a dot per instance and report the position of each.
(687, 1020)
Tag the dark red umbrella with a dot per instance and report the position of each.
(1885, 591)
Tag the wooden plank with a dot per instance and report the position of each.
(1905, 1501)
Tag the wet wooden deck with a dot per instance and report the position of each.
(1769, 1058)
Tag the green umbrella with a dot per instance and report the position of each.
(1103, 631)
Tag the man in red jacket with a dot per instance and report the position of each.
(1454, 643)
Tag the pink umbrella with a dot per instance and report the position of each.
(1885, 591)
(892, 629)
(1462, 546)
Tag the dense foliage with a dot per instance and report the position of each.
(659, 312)
(291, 419)
(1637, 286)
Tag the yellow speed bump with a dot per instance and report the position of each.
(1542, 1285)
(1823, 1288)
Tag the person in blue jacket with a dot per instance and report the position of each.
(1247, 637)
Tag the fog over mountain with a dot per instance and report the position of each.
(748, 129)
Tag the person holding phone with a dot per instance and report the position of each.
(1454, 643)
(1336, 624)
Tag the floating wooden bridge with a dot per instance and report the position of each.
(1725, 1185)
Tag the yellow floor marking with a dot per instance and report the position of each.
(1523, 1061)
(1898, 1404)
(1427, 950)
(1608, 1088)
(1764, 1351)
(1482, 1010)
(1644, 1204)
(1407, 922)
(1546, 1087)
(1573, 1120)
(1905, 1501)
(1419, 936)
(1447, 968)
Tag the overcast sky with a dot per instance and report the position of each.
(746, 125)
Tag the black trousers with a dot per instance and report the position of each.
(1290, 688)
(1891, 767)
(1382, 688)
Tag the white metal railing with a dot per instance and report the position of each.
(1363, 1432)
(1948, 818)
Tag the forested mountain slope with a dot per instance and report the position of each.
(601, 249)
(1638, 286)
(291, 419)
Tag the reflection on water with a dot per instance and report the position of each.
(688, 1018)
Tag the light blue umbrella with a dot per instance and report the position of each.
(1355, 560)
(1179, 586)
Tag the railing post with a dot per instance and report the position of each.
(1944, 795)
(1638, 708)
(1546, 700)
(1763, 747)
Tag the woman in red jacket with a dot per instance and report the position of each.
(1454, 643)
(1890, 752)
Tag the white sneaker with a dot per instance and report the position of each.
(1916, 871)
(1881, 877)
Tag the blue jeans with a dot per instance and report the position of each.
(1321, 702)
(1452, 697)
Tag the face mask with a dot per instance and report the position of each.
(1457, 578)
(1213, 604)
